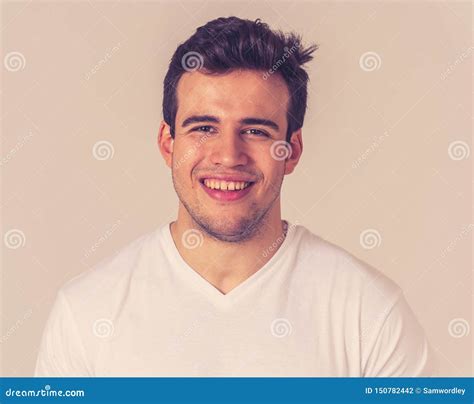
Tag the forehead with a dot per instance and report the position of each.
(235, 93)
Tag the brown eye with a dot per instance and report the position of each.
(256, 132)
(204, 128)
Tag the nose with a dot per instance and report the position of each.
(228, 150)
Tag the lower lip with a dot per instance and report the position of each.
(227, 196)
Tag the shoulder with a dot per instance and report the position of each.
(113, 273)
(88, 306)
(341, 271)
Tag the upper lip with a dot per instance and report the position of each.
(227, 177)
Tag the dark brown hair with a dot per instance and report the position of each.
(230, 43)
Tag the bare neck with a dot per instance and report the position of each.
(223, 264)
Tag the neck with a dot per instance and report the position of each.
(224, 264)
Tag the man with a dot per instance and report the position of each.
(229, 288)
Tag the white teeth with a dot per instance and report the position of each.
(225, 185)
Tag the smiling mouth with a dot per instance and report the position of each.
(226, 186)
(226, 191)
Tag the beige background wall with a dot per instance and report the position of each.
(387, 147)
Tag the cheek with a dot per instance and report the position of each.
(265, 157)
(272, 169)
(186, 157)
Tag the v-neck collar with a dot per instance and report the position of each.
(215, 295)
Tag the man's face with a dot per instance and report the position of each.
(224, 131)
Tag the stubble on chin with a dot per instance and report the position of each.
(222, 229)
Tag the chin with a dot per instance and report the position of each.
(229, 230)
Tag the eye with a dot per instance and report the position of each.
(256, 132)
(204, 128)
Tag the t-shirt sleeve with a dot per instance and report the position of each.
(61, 352)
(400, 347)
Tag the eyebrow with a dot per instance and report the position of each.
(245, 121)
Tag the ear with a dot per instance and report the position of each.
(166, 143)
(296, 143)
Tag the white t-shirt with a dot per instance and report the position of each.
(312, 310)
